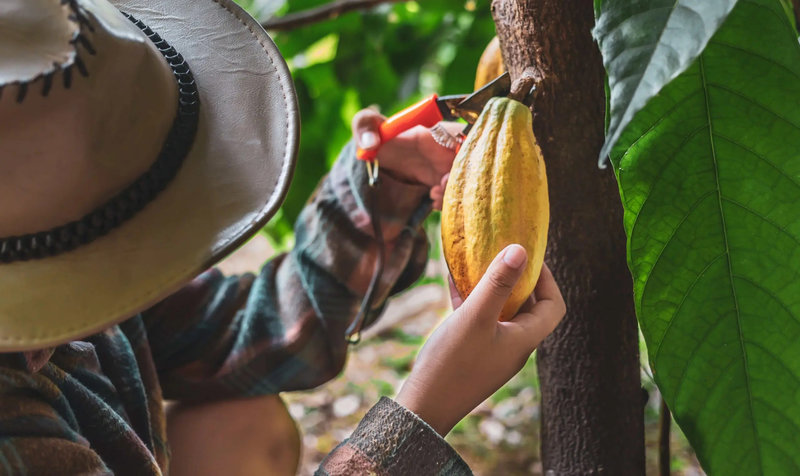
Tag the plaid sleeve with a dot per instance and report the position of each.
(283, 329)
(39, 433)
(391, 440)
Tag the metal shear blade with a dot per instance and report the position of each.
(471, 106)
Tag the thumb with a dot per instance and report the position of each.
(365, 128)
(455, 297)
(490, 295)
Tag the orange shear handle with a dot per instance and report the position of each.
(424, 113)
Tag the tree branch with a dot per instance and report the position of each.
(321, 13)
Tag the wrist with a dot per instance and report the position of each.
(395, 165)
(399, 203)
(399, 176)
(415, 402)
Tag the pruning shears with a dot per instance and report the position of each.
(430, 111)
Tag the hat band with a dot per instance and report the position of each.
(133, 198)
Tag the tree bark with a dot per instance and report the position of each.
(796, 8)
(592, 409)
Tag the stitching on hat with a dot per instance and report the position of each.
(80, 42)
(137, 195)
(283, 91)
(158, 289)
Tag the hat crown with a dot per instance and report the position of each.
(35, 38)
(86, 103)
(38, 37)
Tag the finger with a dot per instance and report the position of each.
(547, 290)
(548, 279)
(541, 319)
(453, 128)
(366, 124)
(494, 288)
(527, 330)
(438, 137)
(438, 198)
(549, 303)
(455, 297)
(437, 192)
(443, 181)
(527, 306)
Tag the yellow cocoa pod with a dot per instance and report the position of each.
(490, 65)
(496, 195)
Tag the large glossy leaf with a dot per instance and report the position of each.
(709, 175)
(646, 44)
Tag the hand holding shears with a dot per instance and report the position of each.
(429, 112)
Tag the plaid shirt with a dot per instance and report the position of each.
(95, 406)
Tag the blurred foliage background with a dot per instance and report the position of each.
(389, 56)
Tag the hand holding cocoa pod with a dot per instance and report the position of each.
(472, 354)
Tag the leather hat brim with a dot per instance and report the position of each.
(234, 179)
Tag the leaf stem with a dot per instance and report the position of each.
(665, 422)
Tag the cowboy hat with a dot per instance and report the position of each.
(141, 141)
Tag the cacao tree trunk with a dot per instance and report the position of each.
(592, 405)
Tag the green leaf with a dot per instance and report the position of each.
(645, 45)
(789, 10)
(709, 175)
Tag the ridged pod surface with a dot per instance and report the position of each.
(496, 195)
(490, 64)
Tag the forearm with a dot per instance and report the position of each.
(284, 330)
(335, 236)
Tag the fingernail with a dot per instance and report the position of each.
(514, 256)
(368, 140)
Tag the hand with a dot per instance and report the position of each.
(413, 156)
(472, 354)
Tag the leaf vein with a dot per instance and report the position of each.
(699, 344)
(691, 210)
(756, 55)
(752, 101)
(686, 294)
(782, 451)
(759, 156)
(719, 375)
(769, 352)
(782, 18)
(674, 108)
(636, 16)
(730, 261)
(657, 178)
(762, 217)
